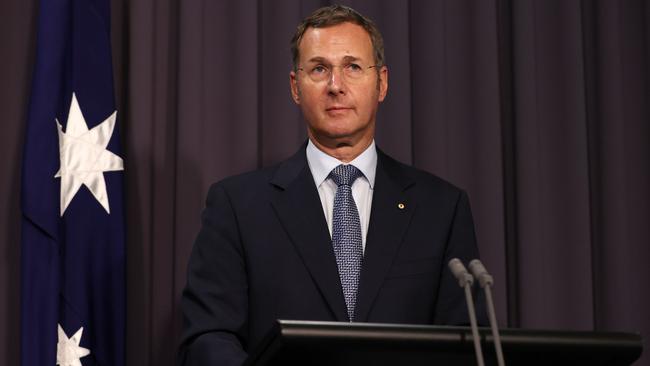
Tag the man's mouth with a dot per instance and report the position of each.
(337, 108)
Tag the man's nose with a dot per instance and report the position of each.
(336, 83)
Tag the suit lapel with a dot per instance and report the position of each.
(298, 207)
(388, 223)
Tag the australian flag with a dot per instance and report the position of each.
(73, 254)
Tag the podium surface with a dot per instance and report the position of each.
(334, 343)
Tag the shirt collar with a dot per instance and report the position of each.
(322, 164)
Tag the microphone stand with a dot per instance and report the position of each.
(486, 281)
(465, 280)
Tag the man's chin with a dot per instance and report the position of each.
(340, 132)
(338, 138)
(342, 135)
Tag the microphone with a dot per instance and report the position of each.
(465, 280)
(486, 281)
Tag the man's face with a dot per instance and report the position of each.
(340, 110)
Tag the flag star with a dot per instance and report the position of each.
(84, 157)
(68, 351)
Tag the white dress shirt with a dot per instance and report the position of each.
(322, 164)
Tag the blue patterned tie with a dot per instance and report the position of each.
(346, 233)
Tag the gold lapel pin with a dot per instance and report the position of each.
(400, 206)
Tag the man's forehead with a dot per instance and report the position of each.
(321, 59)
(344, 40)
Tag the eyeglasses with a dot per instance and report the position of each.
(351, 72)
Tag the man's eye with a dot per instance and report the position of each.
(354, 67)
(320, 69)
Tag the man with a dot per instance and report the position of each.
(301, 241)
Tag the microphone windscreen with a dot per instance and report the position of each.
(460, 272)
(481, 274)
(477, 268)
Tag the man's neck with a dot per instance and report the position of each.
(342, 151)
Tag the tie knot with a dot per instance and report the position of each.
(345, 174)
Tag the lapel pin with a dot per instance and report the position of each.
(400, 206)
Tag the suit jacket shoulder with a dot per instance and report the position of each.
(251, 184)
(428, 183)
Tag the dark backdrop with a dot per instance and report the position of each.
(540, 109)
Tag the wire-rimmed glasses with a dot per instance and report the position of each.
(351, 71)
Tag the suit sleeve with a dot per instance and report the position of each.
(215, 301)
(451, 308)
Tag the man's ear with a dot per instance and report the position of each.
(295, 91)
(383, 83)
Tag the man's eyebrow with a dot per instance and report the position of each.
(350, 58)
(317, 59)
(321, 59)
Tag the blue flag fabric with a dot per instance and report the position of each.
(73, 254)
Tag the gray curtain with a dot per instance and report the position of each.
(539, 109)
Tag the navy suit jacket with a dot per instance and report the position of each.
(264, 252)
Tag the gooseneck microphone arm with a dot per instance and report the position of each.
(486, 281)
(465, 280)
